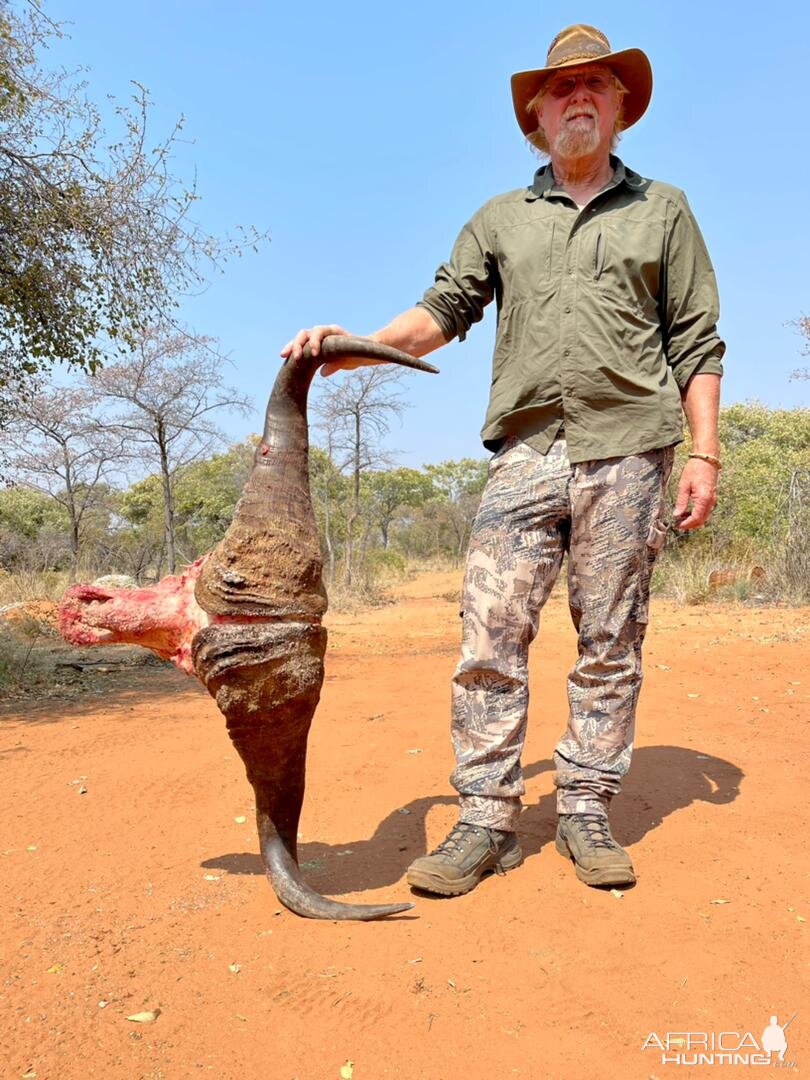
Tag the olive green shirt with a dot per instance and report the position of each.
(604, 313)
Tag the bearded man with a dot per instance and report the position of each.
(607, 312)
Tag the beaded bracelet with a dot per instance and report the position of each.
(712, 460)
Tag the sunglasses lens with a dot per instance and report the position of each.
(562, 88)
(597, 84)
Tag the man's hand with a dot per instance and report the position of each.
(314, 337)
(697, 494)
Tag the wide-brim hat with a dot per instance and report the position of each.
(583, 44)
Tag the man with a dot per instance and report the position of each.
(607, 311)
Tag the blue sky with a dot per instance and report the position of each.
(363, 136)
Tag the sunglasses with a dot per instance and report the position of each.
(596, 83)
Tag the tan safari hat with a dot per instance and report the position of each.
(583, 44)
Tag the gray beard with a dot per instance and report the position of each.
(577, 142)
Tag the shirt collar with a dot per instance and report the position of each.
(543, 184)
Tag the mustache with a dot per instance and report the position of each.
(578, 110)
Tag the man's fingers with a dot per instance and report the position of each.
(697, 496)
(682, 501)
(313, 337)
(702, 506)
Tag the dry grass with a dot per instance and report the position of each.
(31, 585)
(695, 575)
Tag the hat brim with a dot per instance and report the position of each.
(631, 66)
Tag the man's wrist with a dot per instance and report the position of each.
(712, 459)
(705, 443)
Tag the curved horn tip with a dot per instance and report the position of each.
(294, 893)
(352, 912)
(344, 345)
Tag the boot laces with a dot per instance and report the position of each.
(458, 836)
(596, 831)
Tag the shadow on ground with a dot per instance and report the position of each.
(663, 779)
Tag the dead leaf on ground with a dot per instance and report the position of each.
(145, 1017)
(347, 1070)
(721, 901)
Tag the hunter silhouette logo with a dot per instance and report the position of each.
(774, 1040)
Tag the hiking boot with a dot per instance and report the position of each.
(463, 858)
(586, 839)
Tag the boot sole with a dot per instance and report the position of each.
(599, 875)
(434, 883)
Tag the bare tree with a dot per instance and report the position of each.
(355, 410)
(96, 234)
(165, 396)
(57, 445)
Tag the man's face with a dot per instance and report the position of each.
(578, 110)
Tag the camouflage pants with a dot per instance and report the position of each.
(608, 516)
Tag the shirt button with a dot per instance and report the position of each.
(568, 310)
(566, 352)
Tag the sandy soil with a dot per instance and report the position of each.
(130, 881)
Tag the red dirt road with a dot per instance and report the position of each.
(144, 892)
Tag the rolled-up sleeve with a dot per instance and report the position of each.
(691, 303)
(467, 283)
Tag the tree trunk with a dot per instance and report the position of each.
(327, 532)
(355, 514)
(168, 500)
(74, 520)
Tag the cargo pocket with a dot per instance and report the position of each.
(657, 534)
(656, 537)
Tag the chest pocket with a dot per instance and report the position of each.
(623, 259)
(526, 259)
